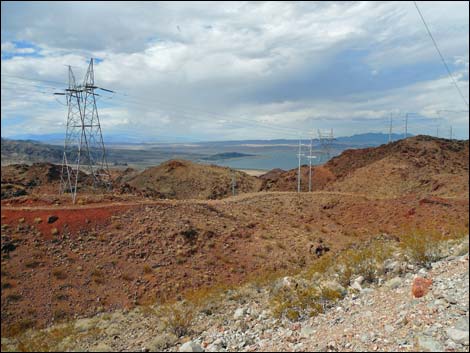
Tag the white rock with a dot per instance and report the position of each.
(191, 346)
(458, 336)
(306, 331)
(429, 344)
(239, 313)
(359, 279)
(357, 286)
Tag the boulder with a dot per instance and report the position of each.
(191, 346)
(420, 286)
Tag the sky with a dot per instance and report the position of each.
(195, 71)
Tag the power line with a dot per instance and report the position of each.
(440, 54)
(35, 79)
(187, 110)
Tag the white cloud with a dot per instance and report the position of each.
(206, 69)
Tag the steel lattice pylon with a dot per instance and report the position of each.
(326, 139)
(84, 149)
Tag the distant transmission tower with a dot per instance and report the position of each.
(326, 140)
(406, 125)
(234, 183)
(299, 155)
(84, 149)
(310, 157)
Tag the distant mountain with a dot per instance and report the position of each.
(364, 140)
(28, 151)
(369, 139)
(227, 155)
(31, 151)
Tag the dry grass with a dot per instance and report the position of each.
(50, 340)
(97, 276)
(127, 277)
(177, 317)
(59, 274)
(295, 301)
(147, 269)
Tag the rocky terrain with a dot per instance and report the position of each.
(407, 307)
(259, 271)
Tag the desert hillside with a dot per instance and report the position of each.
(419, 165)
(179, 179)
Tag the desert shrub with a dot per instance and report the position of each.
(364, 261)
(14, 297)
(6, 285)
(32, 264)
(59, 274)
(61, 296)
(147, 269)
(51, 340)
(421, 246)
(177, 317)
(322, 265)
(59, 314)
(296, 301)
(17, 328)
(97, 276)
(190, 234)
(127, 277)
(330, 295)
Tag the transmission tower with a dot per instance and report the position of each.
(84, 150)
(326, 141)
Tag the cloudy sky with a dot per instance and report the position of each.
(216, 71)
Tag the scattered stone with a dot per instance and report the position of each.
(333, 285)
(239, 313)
(429, 344)
(52, 219)
(458, 336)
(8, 246)
(355, 285)
(102, 347)
(393, 283)
(54, 231)
(359, 280)
(162, 341)
(38, 220)
(21, 220)
(84, 325)
(306, 331)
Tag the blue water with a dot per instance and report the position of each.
(266, 161)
